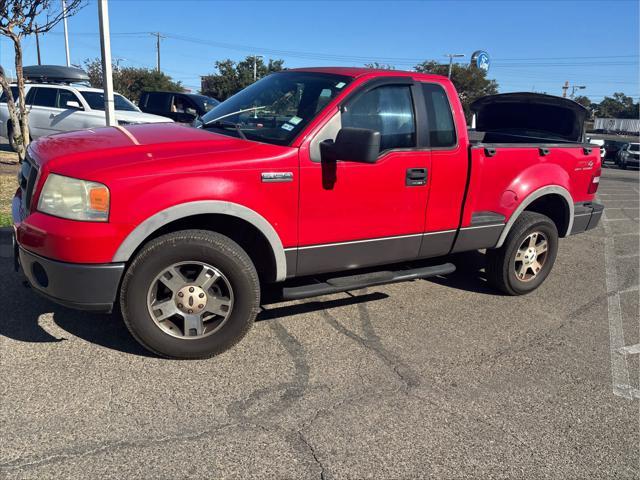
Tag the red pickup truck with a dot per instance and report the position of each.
(303, 174)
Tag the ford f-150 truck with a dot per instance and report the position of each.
(304, 174)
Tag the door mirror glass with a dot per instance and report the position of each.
(352, 145)
(74, 104)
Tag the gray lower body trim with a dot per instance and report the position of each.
(435, 244)
(291, 254)
(475, 238)
(358, 254)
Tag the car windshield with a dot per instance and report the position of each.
(276, 108)
(96, 101)
(204, 102)
(634, 147)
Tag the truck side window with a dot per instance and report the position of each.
(442, 131)
(388, 110)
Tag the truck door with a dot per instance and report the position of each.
(355, 214)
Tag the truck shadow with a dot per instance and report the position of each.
(27, 317)
(469, 275)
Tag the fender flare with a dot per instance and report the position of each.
(541, 192)
(168, 215)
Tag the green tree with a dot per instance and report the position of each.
(586, 103)
(130, 81)
(234, 76)
(380, 66)
(470, 82)
(618, 106)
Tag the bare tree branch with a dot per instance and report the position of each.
(17, 20)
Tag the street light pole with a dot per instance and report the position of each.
(451, 57)
(574, 88)
(66, 33)
(107, 74)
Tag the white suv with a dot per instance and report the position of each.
(55, 108)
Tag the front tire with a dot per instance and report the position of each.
(527, 256)
(190, 294)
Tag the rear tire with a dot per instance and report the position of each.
(156, 290)
(527, 256)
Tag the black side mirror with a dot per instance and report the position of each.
(352, 145)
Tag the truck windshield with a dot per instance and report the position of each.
(276, 108)
(634, 147)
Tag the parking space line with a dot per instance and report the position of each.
(619, 367)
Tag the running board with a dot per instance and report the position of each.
(355, 282)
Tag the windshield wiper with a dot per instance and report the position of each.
(224, 125)
(235, 113)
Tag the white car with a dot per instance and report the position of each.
(55, 108)
(600, 143)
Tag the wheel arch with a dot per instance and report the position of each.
(208, 214)
(539, 201)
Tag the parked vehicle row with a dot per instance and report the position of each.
(63, 105)
(309, 174)
(58, 101)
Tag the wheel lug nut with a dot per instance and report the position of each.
(179, 305)
(190, 311)
(191, 289)
(201, 295)
(200, 306)
(180, 294)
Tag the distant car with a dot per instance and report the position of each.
(613, 147)
(178, 106)
(61, 107)
(629, 156)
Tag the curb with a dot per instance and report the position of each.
(5, 235)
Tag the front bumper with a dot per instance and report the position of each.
(82, 286)
(586, 216)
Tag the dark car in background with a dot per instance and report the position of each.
(178, 106)
(613, 147)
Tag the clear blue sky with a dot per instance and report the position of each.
(534, 45)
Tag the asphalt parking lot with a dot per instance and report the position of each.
(429, 379)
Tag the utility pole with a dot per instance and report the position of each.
(38, 45)
(565, 87)
(451, 57)
(107, 74)
(158, 37)
(255, 66)
(66, 33)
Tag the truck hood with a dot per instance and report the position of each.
(529, 117)
(148, 149)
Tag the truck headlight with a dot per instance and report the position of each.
(74, 199)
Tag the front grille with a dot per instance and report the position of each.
(27, 178)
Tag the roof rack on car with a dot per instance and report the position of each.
(55, 74)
